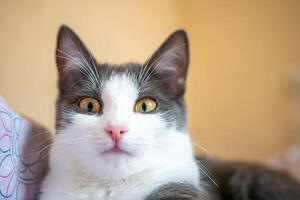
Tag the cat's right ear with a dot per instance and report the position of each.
(73, 59)
(169, 63)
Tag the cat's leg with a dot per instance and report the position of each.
(178, 191)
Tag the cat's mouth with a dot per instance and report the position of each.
(116, 149)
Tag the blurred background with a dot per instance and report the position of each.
(244, 78)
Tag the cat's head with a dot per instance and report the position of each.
(117, 119)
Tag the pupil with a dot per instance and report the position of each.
(144, 107)
(90, 107)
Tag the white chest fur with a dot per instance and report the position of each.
(136, 187)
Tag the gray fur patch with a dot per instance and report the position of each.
(246, 181)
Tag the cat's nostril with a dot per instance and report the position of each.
(116, 131)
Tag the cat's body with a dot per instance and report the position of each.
(122, 135)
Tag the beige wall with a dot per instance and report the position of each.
(243, 56)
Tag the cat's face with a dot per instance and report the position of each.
(114, 119)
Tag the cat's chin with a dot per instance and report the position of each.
(115, 166)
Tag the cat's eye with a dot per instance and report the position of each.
(90, 105)
(145, 105)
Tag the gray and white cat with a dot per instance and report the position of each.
(122, 135)
(121, 129)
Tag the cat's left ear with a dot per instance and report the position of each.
(170, 63)
(74, 61)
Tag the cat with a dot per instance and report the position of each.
(121, 134)
(121, 130)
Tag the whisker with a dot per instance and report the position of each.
(207, 173)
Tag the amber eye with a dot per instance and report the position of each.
(89, 105)
(145, 105)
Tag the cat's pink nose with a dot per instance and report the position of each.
(116, 132)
